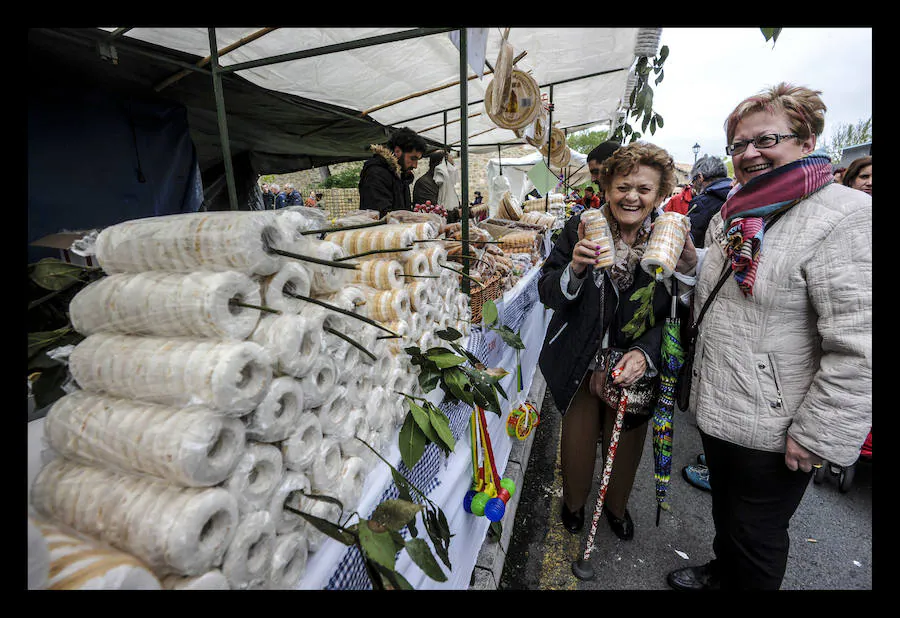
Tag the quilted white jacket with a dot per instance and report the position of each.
(796, 357)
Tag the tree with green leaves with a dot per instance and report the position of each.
(585, 141)
(844, 135)
(640, 102)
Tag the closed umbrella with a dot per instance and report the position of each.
(672, 354)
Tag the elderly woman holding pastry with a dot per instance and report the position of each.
(609, 312)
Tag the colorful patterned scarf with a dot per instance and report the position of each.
(628, 257)
(764, 195)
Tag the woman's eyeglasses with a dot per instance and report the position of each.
(759, 142)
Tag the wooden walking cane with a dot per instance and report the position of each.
(582, 567)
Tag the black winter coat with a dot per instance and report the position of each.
(576, 328)
(382, 186)
(704, 206)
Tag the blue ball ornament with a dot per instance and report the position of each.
(467, 500)
(494, 509)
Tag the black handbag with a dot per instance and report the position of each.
(642, 395)
(683, 386)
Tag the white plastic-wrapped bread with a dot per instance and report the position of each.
(349, 433)
(229, 376)
(290, 493)
(333, 411)
(172, 529)
(437, 255)
(191, 446)
(416, 264)
(667, 238)
(38, 557)
(327, 466)
(419, 290)
(292, 225)
(351, 481)
(292, 277)
(233, 240)
(256, 476)
(168, 304)
(596, 229)
(289, 559)
(274, 418)
(81, 563)
(213, 579)
(389, 305)
(389, 236)
(319, 382)
(384, 274)
(327, 279)
(323, 510)
(301, 447)
(294, 342)
(248, 557)
(350, 298)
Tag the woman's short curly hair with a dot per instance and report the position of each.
(626, 159)
(802, 106)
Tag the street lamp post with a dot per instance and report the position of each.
(696, 149)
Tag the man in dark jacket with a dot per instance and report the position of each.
(426, 187)
(711, 184)
(385, 178)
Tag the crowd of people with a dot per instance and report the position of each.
(777, 264)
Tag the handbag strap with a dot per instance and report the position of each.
(726, 272)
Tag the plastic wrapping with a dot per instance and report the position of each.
(38, 557)
(289, 558)
(289, 493)
(437, 256)
(291, 278)
(419, 291)
(382, 274)
(79, 563)
(388, 236)
(274, 418)
(191, 446)
(416, 264)
(351, 431)
(248, 557)
(229, 376)
(294, 342)
(596, 229)
(255, 477)
(389, 305)
(301, 447)
(327, 466)
(319, 382)
(235, 240)
(351, 481)
(327, 279)
(211, 580)
(334, 410)
(292, 224)
(197, 304)
(172, 529)
(324, 510)
(666, 242)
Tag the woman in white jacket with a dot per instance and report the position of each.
(782, 376)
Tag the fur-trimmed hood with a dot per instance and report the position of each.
(388, 156)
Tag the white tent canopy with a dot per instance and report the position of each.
(414, 82)
(515, 171)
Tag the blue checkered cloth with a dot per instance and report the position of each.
(350, 573)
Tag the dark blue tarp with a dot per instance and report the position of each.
(96, 158)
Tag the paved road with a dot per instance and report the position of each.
(831, 533)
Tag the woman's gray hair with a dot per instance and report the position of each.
(711, 167)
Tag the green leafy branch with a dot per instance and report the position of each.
(640, 102)
(379, 537)
(462, 377)
(644, 314)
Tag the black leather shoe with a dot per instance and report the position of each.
(693, 578)
(573, 522)
(623, 528)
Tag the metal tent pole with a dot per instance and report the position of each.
(464, 151)
(220, 114)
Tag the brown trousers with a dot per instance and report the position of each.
(586, 421)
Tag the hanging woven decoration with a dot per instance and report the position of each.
(523, 106)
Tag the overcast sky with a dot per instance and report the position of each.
(710, 70)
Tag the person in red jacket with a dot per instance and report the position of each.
(589, 200)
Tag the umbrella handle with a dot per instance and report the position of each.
(607, 472)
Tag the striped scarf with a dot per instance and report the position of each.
(765, 195)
